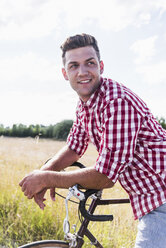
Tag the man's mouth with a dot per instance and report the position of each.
(84, 81)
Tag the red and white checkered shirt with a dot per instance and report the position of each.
(130, 142)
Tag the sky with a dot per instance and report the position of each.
(131, 35)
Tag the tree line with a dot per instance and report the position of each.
(58, 131)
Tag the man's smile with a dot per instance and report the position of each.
(84, 81)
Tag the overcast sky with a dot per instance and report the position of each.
(131, 36)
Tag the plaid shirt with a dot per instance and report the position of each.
(130, 142)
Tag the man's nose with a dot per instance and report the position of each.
(82, 70)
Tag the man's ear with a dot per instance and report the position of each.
(101, 67)
(64, 74)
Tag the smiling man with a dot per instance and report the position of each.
(131, 144)
(83, 69)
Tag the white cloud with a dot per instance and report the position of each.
(153, 73)
(28, 68)
(37, 108)
(144, 49)
(20, 20)
(147, 63)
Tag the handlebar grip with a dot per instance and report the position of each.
(78, 164)
(89, 216)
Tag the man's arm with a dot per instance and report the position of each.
(39, 180)
(64, 158)
(50, 177)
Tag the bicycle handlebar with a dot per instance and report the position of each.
(89, 216)
(82, 203)
(90, 192)
(78, 164)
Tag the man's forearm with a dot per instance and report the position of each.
(39, 180)
(87, 178)
(51, 176)
(64, 158)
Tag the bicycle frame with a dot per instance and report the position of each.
(83, 230)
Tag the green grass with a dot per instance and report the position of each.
(22, 221)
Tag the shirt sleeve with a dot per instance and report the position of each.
(120, 130)
(78, 139)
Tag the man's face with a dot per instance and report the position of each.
(83, 70)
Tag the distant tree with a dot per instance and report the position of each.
(37, 130)
(49, 131)
(30, 131)
(61, 129)
(21, 130)
(162, 121)
(14, 130)
(2, 129)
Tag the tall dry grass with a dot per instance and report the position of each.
(22, 221)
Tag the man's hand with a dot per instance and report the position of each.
(33, 183)
(39, 199)
(52, 193)
(33, 186)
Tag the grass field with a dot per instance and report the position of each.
(22, 221)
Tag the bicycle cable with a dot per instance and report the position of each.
(69, 199)
(79, 213)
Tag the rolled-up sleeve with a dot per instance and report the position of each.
(120, 130)
(78, 138)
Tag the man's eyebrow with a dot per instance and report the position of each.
(90, 59)
(72, 62)
(75, 62)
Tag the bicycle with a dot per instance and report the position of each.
(76, 239)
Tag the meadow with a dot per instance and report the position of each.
(22, 221)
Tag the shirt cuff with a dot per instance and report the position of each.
(75, 146)
(108, 165)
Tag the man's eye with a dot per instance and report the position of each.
(91, 63)
(73, 66)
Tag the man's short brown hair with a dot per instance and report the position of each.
(77, 41)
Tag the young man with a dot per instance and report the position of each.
(130, 142)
